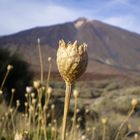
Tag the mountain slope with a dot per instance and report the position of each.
(110, 49)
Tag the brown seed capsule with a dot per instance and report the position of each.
(72, 60)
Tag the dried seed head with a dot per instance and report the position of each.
(77, 126)
(6, 114)
(83, 137)
(9, 67)
(32, 94)
(75, 93)
(87, 111)
(37, 84)
(17, 103)
(26, 104)
(11, 110)
(26, 95)
(79, 119)
(13, 90)
(53, 129)
(43, 88)
(1, 92)
(29, 89)
(38, 40)
(52, 106)
(18, 136)
(72, 60)
(136, 136)
(49, 59)
(49, 124)
(104, 121)
(77, 110)
(54, 121)
(49, 90)
(134, 102)
(88, 129)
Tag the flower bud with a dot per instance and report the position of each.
(72, 60)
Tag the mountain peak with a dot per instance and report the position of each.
(80, 21)
(109, 47)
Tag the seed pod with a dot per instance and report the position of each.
(72, 60)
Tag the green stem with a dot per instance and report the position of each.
(66, 109)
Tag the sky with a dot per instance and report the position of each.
(18, 15)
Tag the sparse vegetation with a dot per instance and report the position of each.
(100, 110)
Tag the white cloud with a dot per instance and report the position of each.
(26, 15)
(18, 15)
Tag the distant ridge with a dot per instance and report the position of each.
(110, 49)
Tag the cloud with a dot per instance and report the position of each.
(18, 15)
(22, 16)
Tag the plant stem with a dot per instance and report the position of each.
(66, 109)
(104, 132)
(5, 77)
(75, 113)
(123, 123)
(49, 73)
(74, 131)
(41, 61)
